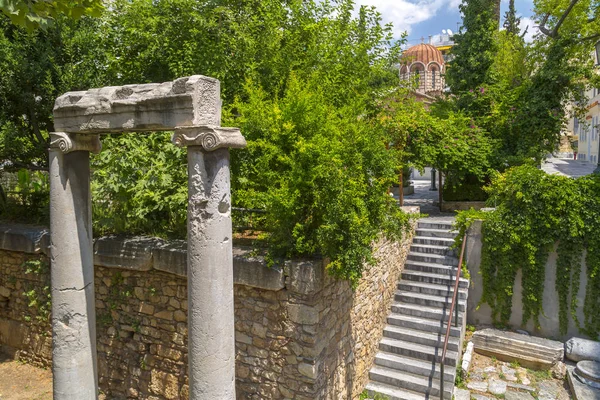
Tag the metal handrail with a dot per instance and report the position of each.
(454, 309)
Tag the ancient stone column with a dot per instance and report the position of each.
(72, 267)
(211, 333)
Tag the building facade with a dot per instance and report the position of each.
(588, 129)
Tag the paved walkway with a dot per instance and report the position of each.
(567, 167)
(425, 198)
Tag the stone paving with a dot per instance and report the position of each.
(567, 167)
(426, 199)
(489, 379)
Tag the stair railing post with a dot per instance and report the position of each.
(442, 380)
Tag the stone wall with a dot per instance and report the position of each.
(481, 314)
(299, 333)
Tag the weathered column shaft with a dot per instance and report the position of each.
(72, 272)
(211, 339)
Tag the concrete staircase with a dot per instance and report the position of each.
(407, 366)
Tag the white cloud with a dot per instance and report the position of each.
(532, 31)
(403, 13)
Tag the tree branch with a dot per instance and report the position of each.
(554, 32)
(563, 17)
(591, 37)
(542, 26)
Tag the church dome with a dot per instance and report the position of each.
(424, 53)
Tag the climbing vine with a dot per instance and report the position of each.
(536, 213)
(38, 295)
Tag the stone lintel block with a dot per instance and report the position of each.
(252, 270)
(530, 351)
(192, 100)
(127, 253)
(24, 238)
(305, 276)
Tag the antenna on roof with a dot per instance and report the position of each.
(443, 31)
(450, 32)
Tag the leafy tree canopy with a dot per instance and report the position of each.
(32, 14)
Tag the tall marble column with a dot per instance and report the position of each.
(74, 366)
(211, 333)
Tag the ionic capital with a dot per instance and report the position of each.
(68, 142)
(209, 137)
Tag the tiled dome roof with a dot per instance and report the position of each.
(424, 53)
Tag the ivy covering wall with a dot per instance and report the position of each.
(534, 214)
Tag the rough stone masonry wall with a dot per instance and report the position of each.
(299, 333)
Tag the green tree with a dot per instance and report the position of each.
(474, 47)
(511, 21)
(32, 14)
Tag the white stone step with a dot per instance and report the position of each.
(391, 392)
(434, 268)
(432, 258)
(417, 351)
(438, 233)
(426, 325)
(433, 249)
(431, 289)
(420, 311)
(428, 300)
(429, 224)
(405, 380)
(420, 337)
(438, 279)
(436, 241)
(427, 369)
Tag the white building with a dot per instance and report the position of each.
(588, 129)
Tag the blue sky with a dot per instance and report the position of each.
(421, 18)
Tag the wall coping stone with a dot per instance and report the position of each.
(24, 238)
(142, 253)
(148, 253)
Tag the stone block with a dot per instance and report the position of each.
(308, 370)
(579, 349)
(303, 314)
(304, 276)
(580, 390)
(171, 257)
(512, 395)
(530, 351)
(126, 253)
(462, 394)
(251, 270)
(193, 100)
(24, 238)
(4, 292)
(12, 333)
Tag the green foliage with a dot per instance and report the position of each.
(447, 141)
(470, 189)
(377, 396)
(474, 46)
(27, 198)
(40, 14)
(39, 298)
(320, 173)
(511, 21)
(534, 211)
(145, 192)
